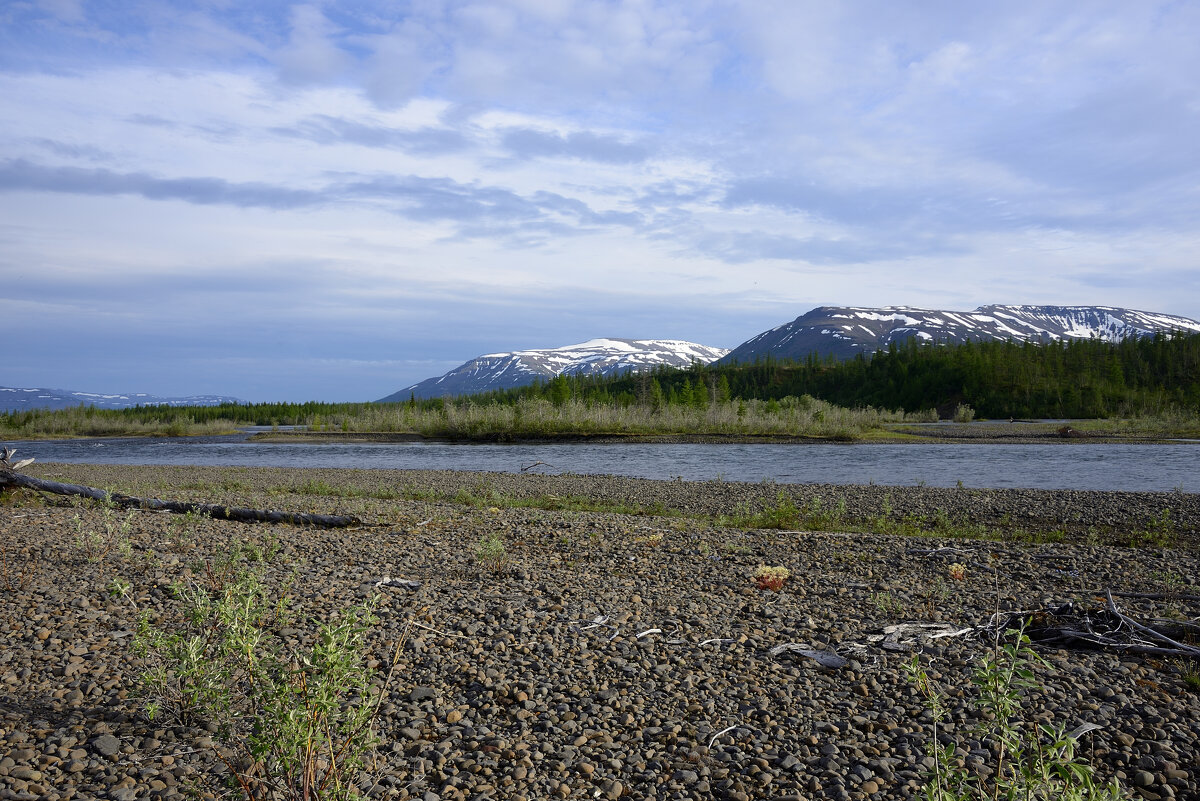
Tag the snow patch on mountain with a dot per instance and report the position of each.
(604, 356)
(843, 331)
(16, 399)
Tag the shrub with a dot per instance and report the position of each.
(491, 553)
(1035, 761)
(293, 725)
(113, 534)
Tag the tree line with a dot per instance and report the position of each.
(1137, 377)
(1075, 378)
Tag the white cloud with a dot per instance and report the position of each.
(311, 54)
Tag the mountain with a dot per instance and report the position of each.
(19, 400)
(845, 331)
(595, 357)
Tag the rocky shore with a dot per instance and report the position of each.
(606, 655)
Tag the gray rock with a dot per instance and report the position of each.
(107, 745)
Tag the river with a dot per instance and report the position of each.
(1165, 467)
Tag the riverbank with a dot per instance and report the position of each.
(998, 433)
(511, 689)
(542, 439)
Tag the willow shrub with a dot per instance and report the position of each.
(290, 723)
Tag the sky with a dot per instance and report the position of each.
(332, 201)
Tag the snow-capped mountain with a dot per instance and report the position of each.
(494, 371)
(16, 400)
(844, 331)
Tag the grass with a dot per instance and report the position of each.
(784, 514)
(491, 553)
(781, 512)
(1157, 532)
(887, 604)
(472, 420)
(1189, 674)
(475, 419)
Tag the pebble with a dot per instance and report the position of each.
(546, 678)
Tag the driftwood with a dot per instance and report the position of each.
(1157, 596)
(1107, 628)
(827, 659)
(6, 460)
(11, 478)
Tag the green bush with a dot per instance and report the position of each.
(491, 553)
(290, 724)
(1035, 762)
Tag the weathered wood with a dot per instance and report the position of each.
(9, 478)
(1154, 634)
(6, 460)
(1154, 596)
(1105, 628)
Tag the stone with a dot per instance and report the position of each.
(107, 745)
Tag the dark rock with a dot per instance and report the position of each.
(107, 745)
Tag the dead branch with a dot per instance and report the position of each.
(1107, 628)
(6, 460)
(1153, 634)
(11, 478)
(1153, 596)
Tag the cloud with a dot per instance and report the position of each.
(858, 205)
(477, 210)
(22, 175)
(481, 210)
(73, 150)
(326, 130)
(311, 54)
(152, 120)
(750, 246)
(530, 143)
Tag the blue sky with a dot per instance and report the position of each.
(334, 200)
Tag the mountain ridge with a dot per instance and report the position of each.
(843, 332)
(603, 356)
(18, 399)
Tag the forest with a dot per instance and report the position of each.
(1065, 379)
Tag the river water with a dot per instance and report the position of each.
(1172, 466)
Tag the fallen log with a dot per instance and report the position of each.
(11, 478)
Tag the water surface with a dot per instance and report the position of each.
(1172, 466)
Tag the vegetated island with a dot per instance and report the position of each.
(595, 636)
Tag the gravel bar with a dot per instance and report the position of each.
(613, 655)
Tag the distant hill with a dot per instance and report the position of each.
(494, 371)
(13, 399)
(845, 331)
